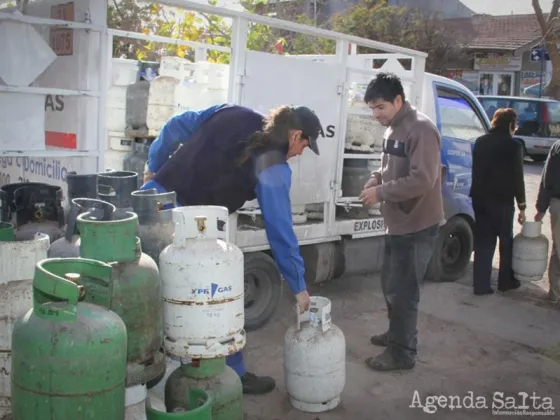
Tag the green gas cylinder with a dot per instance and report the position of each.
(135, 288)
(7, 232)
(198, 406)
(69, 356)
(213, 376)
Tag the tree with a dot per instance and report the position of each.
(550, 39)
(211, 29)
(376, 20)
(291, 42)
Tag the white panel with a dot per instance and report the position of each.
(25, 59)
(72, 116)
(22, 121)
(274, 80)
(78, 70)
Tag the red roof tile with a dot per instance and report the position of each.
(508, 32)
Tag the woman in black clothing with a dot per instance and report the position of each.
(497, 180)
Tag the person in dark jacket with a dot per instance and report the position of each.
(235, 156)
(548, 199)
(497, 180)
(174, 134)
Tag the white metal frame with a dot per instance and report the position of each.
(328, 230)
(101, 95)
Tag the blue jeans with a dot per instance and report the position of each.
(234, 361)
(405, 261)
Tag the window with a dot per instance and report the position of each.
(491, 105)
(553, 112)
(526, 110)
(528, 115)
(457, 116)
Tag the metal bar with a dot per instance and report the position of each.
(239, 30)
(49, 153)
(50, 22)
(166, 40)
(105, 66)
(289, 26)
(342, 58)
(373, 72)
(301, 242)
(48, 91)
(368, 156)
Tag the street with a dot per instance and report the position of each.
(469, 347)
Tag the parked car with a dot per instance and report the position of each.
(539, 121)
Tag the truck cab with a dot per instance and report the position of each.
(460, 119)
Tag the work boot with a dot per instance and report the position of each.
(385, 362)
(381, 340)
(512, 285)
(257, 385)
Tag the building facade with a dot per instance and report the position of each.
(499, 51)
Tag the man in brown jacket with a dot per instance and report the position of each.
(408, 185)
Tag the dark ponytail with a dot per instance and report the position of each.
(274, 134)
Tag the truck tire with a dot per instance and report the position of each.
(263, 289)
(452, 252)
(538, 158)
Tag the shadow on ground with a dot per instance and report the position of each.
(458, 354)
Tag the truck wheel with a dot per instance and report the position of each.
(452, 252)
(263, 289)
(538, 158)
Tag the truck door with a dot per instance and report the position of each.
(460, 122)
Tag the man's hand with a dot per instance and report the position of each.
(371, 183)
(539, 217)
(369, 196)
(148, 175)
(521, 218)
(303, 301)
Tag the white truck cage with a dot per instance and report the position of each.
(256, 79)
(321, 82)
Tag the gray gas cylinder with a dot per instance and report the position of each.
(355, 174)
(68, 246)
(79, 186)
(33, 207)
(116, 188)
(137, 106)
(155, 221)
(136, 160)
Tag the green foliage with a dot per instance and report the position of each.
(206, 28)
(375, 20)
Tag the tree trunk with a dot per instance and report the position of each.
(550, 40)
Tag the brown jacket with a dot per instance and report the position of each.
(410, 174)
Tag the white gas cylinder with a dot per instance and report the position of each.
(135, 402)
(116, 108)
(203, 286)
(161, 102)
(17, 267)
(298, 214)
(118, 147)
(189, 94)
(315, 359)
(530, 253)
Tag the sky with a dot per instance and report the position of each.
(491, 7)
(505, 7)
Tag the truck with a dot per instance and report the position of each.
(63, 109)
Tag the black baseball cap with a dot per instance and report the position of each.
(309, 124)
